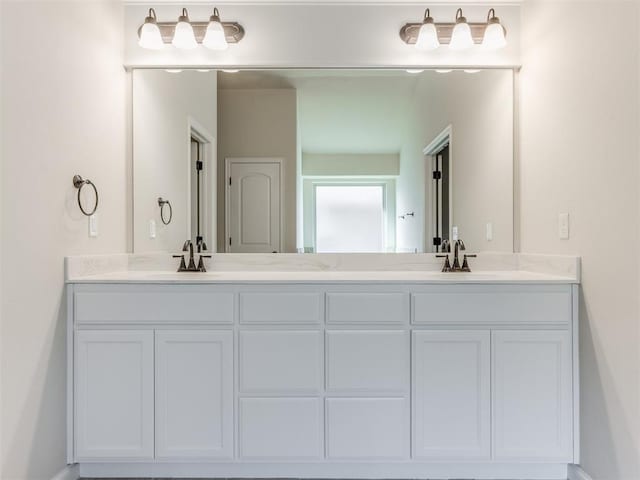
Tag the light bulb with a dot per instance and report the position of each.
(215, 38)
(461, 38)
(183, 36)
(428, 34)
(149, 33)
(414, 70)
(494, 34)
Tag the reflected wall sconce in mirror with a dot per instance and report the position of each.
(162, 203)
(458, 35)
(186, 35)
(79, 183)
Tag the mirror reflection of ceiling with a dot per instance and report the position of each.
(350, 111)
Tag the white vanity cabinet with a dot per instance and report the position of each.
(357, 380)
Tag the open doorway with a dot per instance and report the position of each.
(202, 191)
(438, 152)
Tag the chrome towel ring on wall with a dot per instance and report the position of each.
(80, 182)
(161, 203)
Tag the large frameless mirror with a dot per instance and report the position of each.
(312, 160)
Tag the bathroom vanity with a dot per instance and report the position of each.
(319, 374)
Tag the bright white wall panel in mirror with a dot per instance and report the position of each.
(337, 135)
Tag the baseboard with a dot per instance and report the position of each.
(70, 472)
(577, 473)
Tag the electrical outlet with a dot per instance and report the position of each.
(489, 231)
(152, 229)
(563, 226)
(93, 225)
(454, 233)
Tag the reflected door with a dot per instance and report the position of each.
(441, 198)
(253, 206)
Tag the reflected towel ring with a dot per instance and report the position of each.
(161, 203)
(80, 182)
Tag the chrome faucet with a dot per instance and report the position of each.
(188, 246)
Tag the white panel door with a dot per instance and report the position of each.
(114, 394)
(281, 362)
(194, 394)
(281, 428)
(367, 428)
(451, 391)
(532, 395)
(254, 206)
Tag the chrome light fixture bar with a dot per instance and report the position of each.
(233, 31)
(485, 33)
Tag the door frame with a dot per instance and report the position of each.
(209, 156)
(432, 149)
(228, 161)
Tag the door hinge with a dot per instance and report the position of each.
(229, 240)
(437, 175)
(229, 180)
(199, 165)
(437, 241)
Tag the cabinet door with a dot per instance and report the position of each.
(113, 394)
(532, 395)
(451, 392)
(194, 394)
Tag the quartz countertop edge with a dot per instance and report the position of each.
(313, 277)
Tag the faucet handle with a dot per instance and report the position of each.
(201, 267)
(183, 265)
(447, 266)
(465, 265)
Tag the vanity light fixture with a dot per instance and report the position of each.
(494, 34)
(183, 36)
(459, 35)
(428, 34)
(214, 38)
(150, 36)
(461, 38)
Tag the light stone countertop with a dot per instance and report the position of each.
(261, 277)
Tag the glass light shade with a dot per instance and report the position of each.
(461, 38)
(494, 37)
(150, 37)
(214, 38)
(183, 37)
(427, 37)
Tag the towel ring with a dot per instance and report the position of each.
(80, 182)
(161, 203)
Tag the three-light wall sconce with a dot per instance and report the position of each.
(459, 35)
(186, 35)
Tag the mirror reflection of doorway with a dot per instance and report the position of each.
(441, 198)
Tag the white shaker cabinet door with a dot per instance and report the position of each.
(194, 394)
(532, 395)
(114, 394)
(451, 392)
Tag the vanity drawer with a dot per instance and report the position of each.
(276, 307)
(363, 307)
(475, 304)
(159, 304)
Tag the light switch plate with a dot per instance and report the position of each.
(152, 229)
(563, 226)
(93, 225)
(489, 231)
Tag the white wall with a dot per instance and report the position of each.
(63, 112)
(164, 106)
(259, 123)
(322, 35)
(580, 154)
